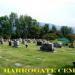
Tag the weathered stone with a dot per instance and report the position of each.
(47, 47)
(10, 43)
(39, 42)
(18, 64)
(26, 44)
(28, 41)
(1, 40)
(57, 45)
(20, 39)
(16, 43)
(71, 45)
(23, 41)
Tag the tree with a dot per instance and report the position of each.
(66, 30)
(50, 36)
(44, 30)
(71, 37)
(35, 29)
(59, 34)
(24, 26)
(54, 29)
(5, 27)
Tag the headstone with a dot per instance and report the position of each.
(39, 42)
(47, 47)
(73, 63)
(16, 43)
(10, 43)
(71, 45)
(1, 41)
(23, 41)
(28, 41)
(26, 44)
(57, 45)
(20, 39)
(34, 41)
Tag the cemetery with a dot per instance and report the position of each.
(17, 55)
(25, 43)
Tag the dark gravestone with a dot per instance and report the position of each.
(57, 45)
(1, 41)
(10, 43)
(73, 64)
(71, 45)
(26, 44)
(47, 47)
(39, 42)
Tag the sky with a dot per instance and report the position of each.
(59, 12)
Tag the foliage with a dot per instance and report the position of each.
(25, 26)
(50, 36)
(66, 30)
(71, 37)
(54, 29)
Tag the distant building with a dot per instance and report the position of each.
(13, 26)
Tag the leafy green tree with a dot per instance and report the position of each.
(24, 26)
(71, 37)
(66, 30)
(35, 29)
(44, 30)
(5, 29)
(50, 36)
(54, 29)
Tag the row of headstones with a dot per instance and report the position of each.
(41, 42)
(57, 45)
(47, 46)
(16, 42)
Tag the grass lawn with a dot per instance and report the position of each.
(32, 57)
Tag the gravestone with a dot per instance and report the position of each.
(57, 45)
(26, 44)
(23, 41)
(47, 47)
(10, 42)
(1, 40)
(16, 43)
(39, 42)
(73, 63)
(34, 41)
(20, 39)
(71, 45)
(28, 41)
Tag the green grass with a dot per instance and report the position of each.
(32, 57)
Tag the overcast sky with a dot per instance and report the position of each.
(59, 12)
